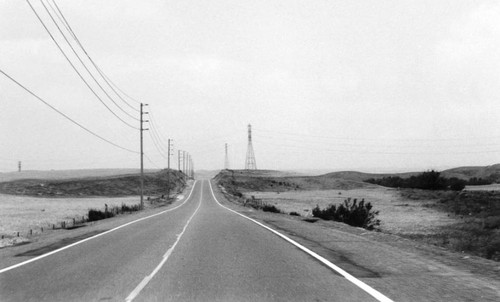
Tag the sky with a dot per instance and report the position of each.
(373, 86)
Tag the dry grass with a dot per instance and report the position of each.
(22, 213)
(397, 214)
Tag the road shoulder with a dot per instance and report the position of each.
(403, 269)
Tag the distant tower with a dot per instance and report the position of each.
(19, 166)
(250, 160)
(226, 161)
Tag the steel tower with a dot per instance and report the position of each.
(250, 160)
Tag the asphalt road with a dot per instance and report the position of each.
(196, 251)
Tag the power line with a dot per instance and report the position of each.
(105, 77)
(83, 64)
(156, 146)
(76, 70)
(149, 159)
(64, 115)
(312, 140)
(155, 129)
(373, 139)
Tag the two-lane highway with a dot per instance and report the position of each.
(197, 251)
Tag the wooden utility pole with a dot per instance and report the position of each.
(184, 162)
(168, 171)
(179, 160)
(142, 153)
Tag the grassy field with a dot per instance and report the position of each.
(398, 215)
(33, 200)
(466, 221)
(22, 213)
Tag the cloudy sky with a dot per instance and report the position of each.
(326, 84)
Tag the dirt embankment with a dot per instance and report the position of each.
(111, 186)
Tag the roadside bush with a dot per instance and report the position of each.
(294, 214)
(352, 213)
(95, 214)
(132, 208)
(270, 208)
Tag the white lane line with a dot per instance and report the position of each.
(148, 278)
(370, 290)
(95, 236)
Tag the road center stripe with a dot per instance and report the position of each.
(148, 278)
(371, 291)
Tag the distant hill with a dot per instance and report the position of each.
(492, 172)
(270, 180)
(68, 174)
(360, 176)
(465, 173)
(155, 183)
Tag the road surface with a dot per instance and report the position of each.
(196, 251)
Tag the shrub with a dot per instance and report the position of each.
(270, 208)
(98, 214)
(132, 208)
(294, 214)
(352, 213)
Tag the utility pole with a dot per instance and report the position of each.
(142, 152)
(184, 162)
(226, 160)
(192, 169)
(179, 160)
(168, 171)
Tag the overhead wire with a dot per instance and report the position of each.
(75, 69)
(101, 73)
(84, 65)
(153, 163)
(64, 115)
(371, 139)
(365, 151)
(154, 126)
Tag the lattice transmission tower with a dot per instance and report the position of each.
(250, 160)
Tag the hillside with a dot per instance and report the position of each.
(118, 185)
(67, 174)
(360, 176)
(268, 180)
(465, 173)
(492, 172)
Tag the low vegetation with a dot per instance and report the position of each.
(350, 212)
(477, 227)
(94, 214)
(430, 207)
(428, 181)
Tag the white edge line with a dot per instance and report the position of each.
(148, 278)
(93, 237)
(373, 292)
